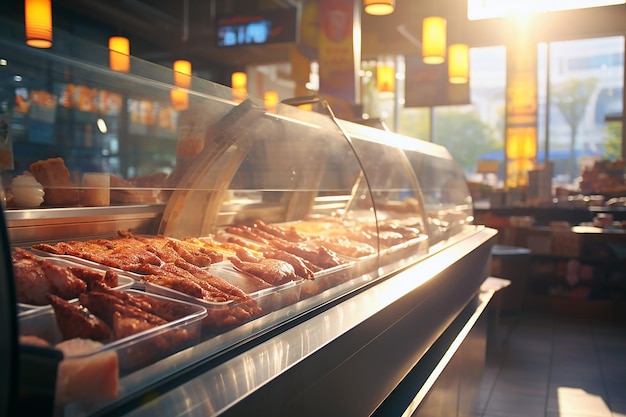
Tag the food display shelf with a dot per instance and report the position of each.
(310, 180)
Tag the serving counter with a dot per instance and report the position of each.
(367, 263)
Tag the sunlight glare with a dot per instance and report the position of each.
(487, 9)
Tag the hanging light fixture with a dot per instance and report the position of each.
(458, 63)
(434, 40)
(239, 81)
(379, 7)
(271, 100)
(182, 73)
(119, 53)
(385, 77)
(38, 22)
(182, 78)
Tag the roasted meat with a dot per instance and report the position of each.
(30, 281)
(109, 278)
(347, 247)
(75, 321)
(318, 255)
(273, 271)
(302, 268)
(36, 278)
(290, 234)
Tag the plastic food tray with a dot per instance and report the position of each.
(124, 280)
(331, 277)
(222, 316)
(270, 298)
(136, 351)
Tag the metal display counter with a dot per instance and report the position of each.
(396, 262)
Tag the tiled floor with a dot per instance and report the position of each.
(552, 366)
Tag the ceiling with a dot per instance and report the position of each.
(163, 30)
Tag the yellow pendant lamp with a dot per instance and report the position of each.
(182, 78)
(458, 63)
(385, 77)
(239, 81)
(434, 40)
(119, 53)
(271, 101)
(182, 73)
(38, 22)
(379, 7)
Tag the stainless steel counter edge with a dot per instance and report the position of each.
(218, 389)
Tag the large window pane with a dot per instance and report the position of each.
(586, 81)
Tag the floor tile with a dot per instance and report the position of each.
(549, 366)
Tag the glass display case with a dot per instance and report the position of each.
(259, 256)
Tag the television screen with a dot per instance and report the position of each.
(275, 26)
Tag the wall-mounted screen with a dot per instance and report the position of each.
(275, 26)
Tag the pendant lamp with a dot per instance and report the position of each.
(239, 81)
(38, 22)
(458, 63)
(379, 7)
(182, 73)
(385, 77)
(271, 100)
(182, 78)
(434, 40)
(119, 53)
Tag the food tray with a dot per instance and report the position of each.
(269, 298)
(331, 277)
(124, 280)
(223, 316)
(403, 254)
(133, 352)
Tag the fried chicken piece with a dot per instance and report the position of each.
(30, 280)
(299, 266)
(169, 250)
(106, 304)
(109, 278)
(209, 292)
(36, 277)
(320, 256)
(247, 255)
(245, 244)
(273, 271)
(248, 233)
(290, 234)
(64, 284)
(231, 290)
(168, 310)
(124, 326)
(177, 283)
(75, 321)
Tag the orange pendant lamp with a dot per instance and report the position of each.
(119, 53)
(271, 101)
(182, 78)
(385, 78)
(182, 73)
(379, 7)
(458, 63)
(38, 22)
(239, 81)
(434, 40)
